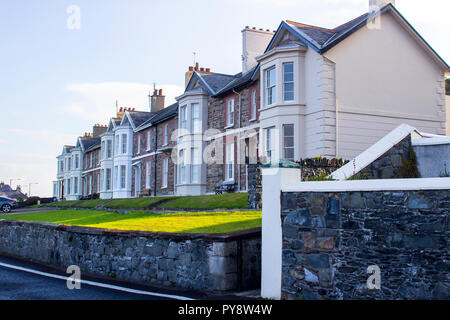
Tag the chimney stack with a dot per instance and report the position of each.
(98, 130)
(375, 5)
(157, 100)
(254, 43)
(191, 71)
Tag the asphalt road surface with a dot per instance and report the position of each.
(26, 285)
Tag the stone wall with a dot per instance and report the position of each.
(388, 165)
(316, 167)
(200, 261)
(330, 239)
(254, 186)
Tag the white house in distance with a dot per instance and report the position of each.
(345, 88)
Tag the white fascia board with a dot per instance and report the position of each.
(370, 185)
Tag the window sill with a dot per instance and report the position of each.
(229, 126)
(253, 120)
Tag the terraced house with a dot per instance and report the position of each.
(303, 91)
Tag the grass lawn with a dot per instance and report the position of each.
(90, 203)
(222, 201)
(199, 222)
(134, 203)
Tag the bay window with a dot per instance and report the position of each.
(122, 176)
(108, 180)
(195, 166)
(271, 86)
(183, 117)
(124, 143)
(288, 81)
(182, 165)
(195, 120)
(109, 149)
(288, 141)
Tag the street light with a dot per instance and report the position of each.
(11, 181)
(29, 188)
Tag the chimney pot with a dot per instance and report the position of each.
(160, 92)
(197, 65)
(191, 68)
(202, 69)
(208, 70)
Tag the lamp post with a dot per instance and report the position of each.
(29, 188)
(11, 181)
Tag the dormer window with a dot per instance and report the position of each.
(288, 81)
(271, 80)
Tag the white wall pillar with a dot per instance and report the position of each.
(273, 181)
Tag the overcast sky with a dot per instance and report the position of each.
(56, 82)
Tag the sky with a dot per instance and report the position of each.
(58, 81)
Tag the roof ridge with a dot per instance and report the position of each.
(349, 22)
(309, 26)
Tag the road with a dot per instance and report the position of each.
(25, 284)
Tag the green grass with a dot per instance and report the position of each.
(90, 203)
(222, 201)
(199, 222)
(134, 203)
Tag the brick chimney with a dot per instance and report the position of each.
(98, 130)
(254, 43)
(120, 113)
(191, 70)
(157, 100)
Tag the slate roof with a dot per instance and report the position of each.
(240, 80)
(160, 116)
(139, 117)
(90, 143)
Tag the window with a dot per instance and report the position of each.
(166, 135)
(68, 186)
(117, 144)
(195, 166)
(253, 111)
(116, 175)
(91, 159)
(288, 141)
(77, 161)
(270, 86)
(288, 81)
(182, 167)
(148, 170)
(70, 163)
(269, 146)
(149, 140)
(124, 143)
(98, 182)
(102, 180)
(195, 125)
(138, 144)
(75, 185)
(90, 185)
(109, 149)
(61, 166)
(183, 118)
(122, 176)
(230, 112)
(165, 172)
(103, 153)
(230, 162)
(108, 180)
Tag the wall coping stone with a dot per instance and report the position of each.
(210, 237)
(369, 185)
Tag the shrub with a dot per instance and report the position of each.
(408, 169)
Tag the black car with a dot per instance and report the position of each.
(6, 205)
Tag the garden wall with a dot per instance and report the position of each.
(329, 239)
(201, 261)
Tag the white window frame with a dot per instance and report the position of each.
(182, 166)
(195, 172)
(183, 117)
(229, 167)
(108, 149)
(195, 118)
(165, 173)
(271, 90)
(149, 140)
(148, 171)
(269, 142)
(124, 145)
(285, 82)
(166, 135)
(108, 179)
(293, 141)
(230, 112)
(123, 177)
(253, 111)
(139, 144)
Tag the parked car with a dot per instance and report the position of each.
(6, 205)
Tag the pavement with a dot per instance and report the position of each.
(25, 280)
(29, 210)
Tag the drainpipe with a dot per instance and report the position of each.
(239, 142)
(154, 159)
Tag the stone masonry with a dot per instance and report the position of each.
(189, 261)
(330, 239)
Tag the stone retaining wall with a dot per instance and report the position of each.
(194, 261)
(330, 239)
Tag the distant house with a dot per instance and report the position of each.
(7, 191)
